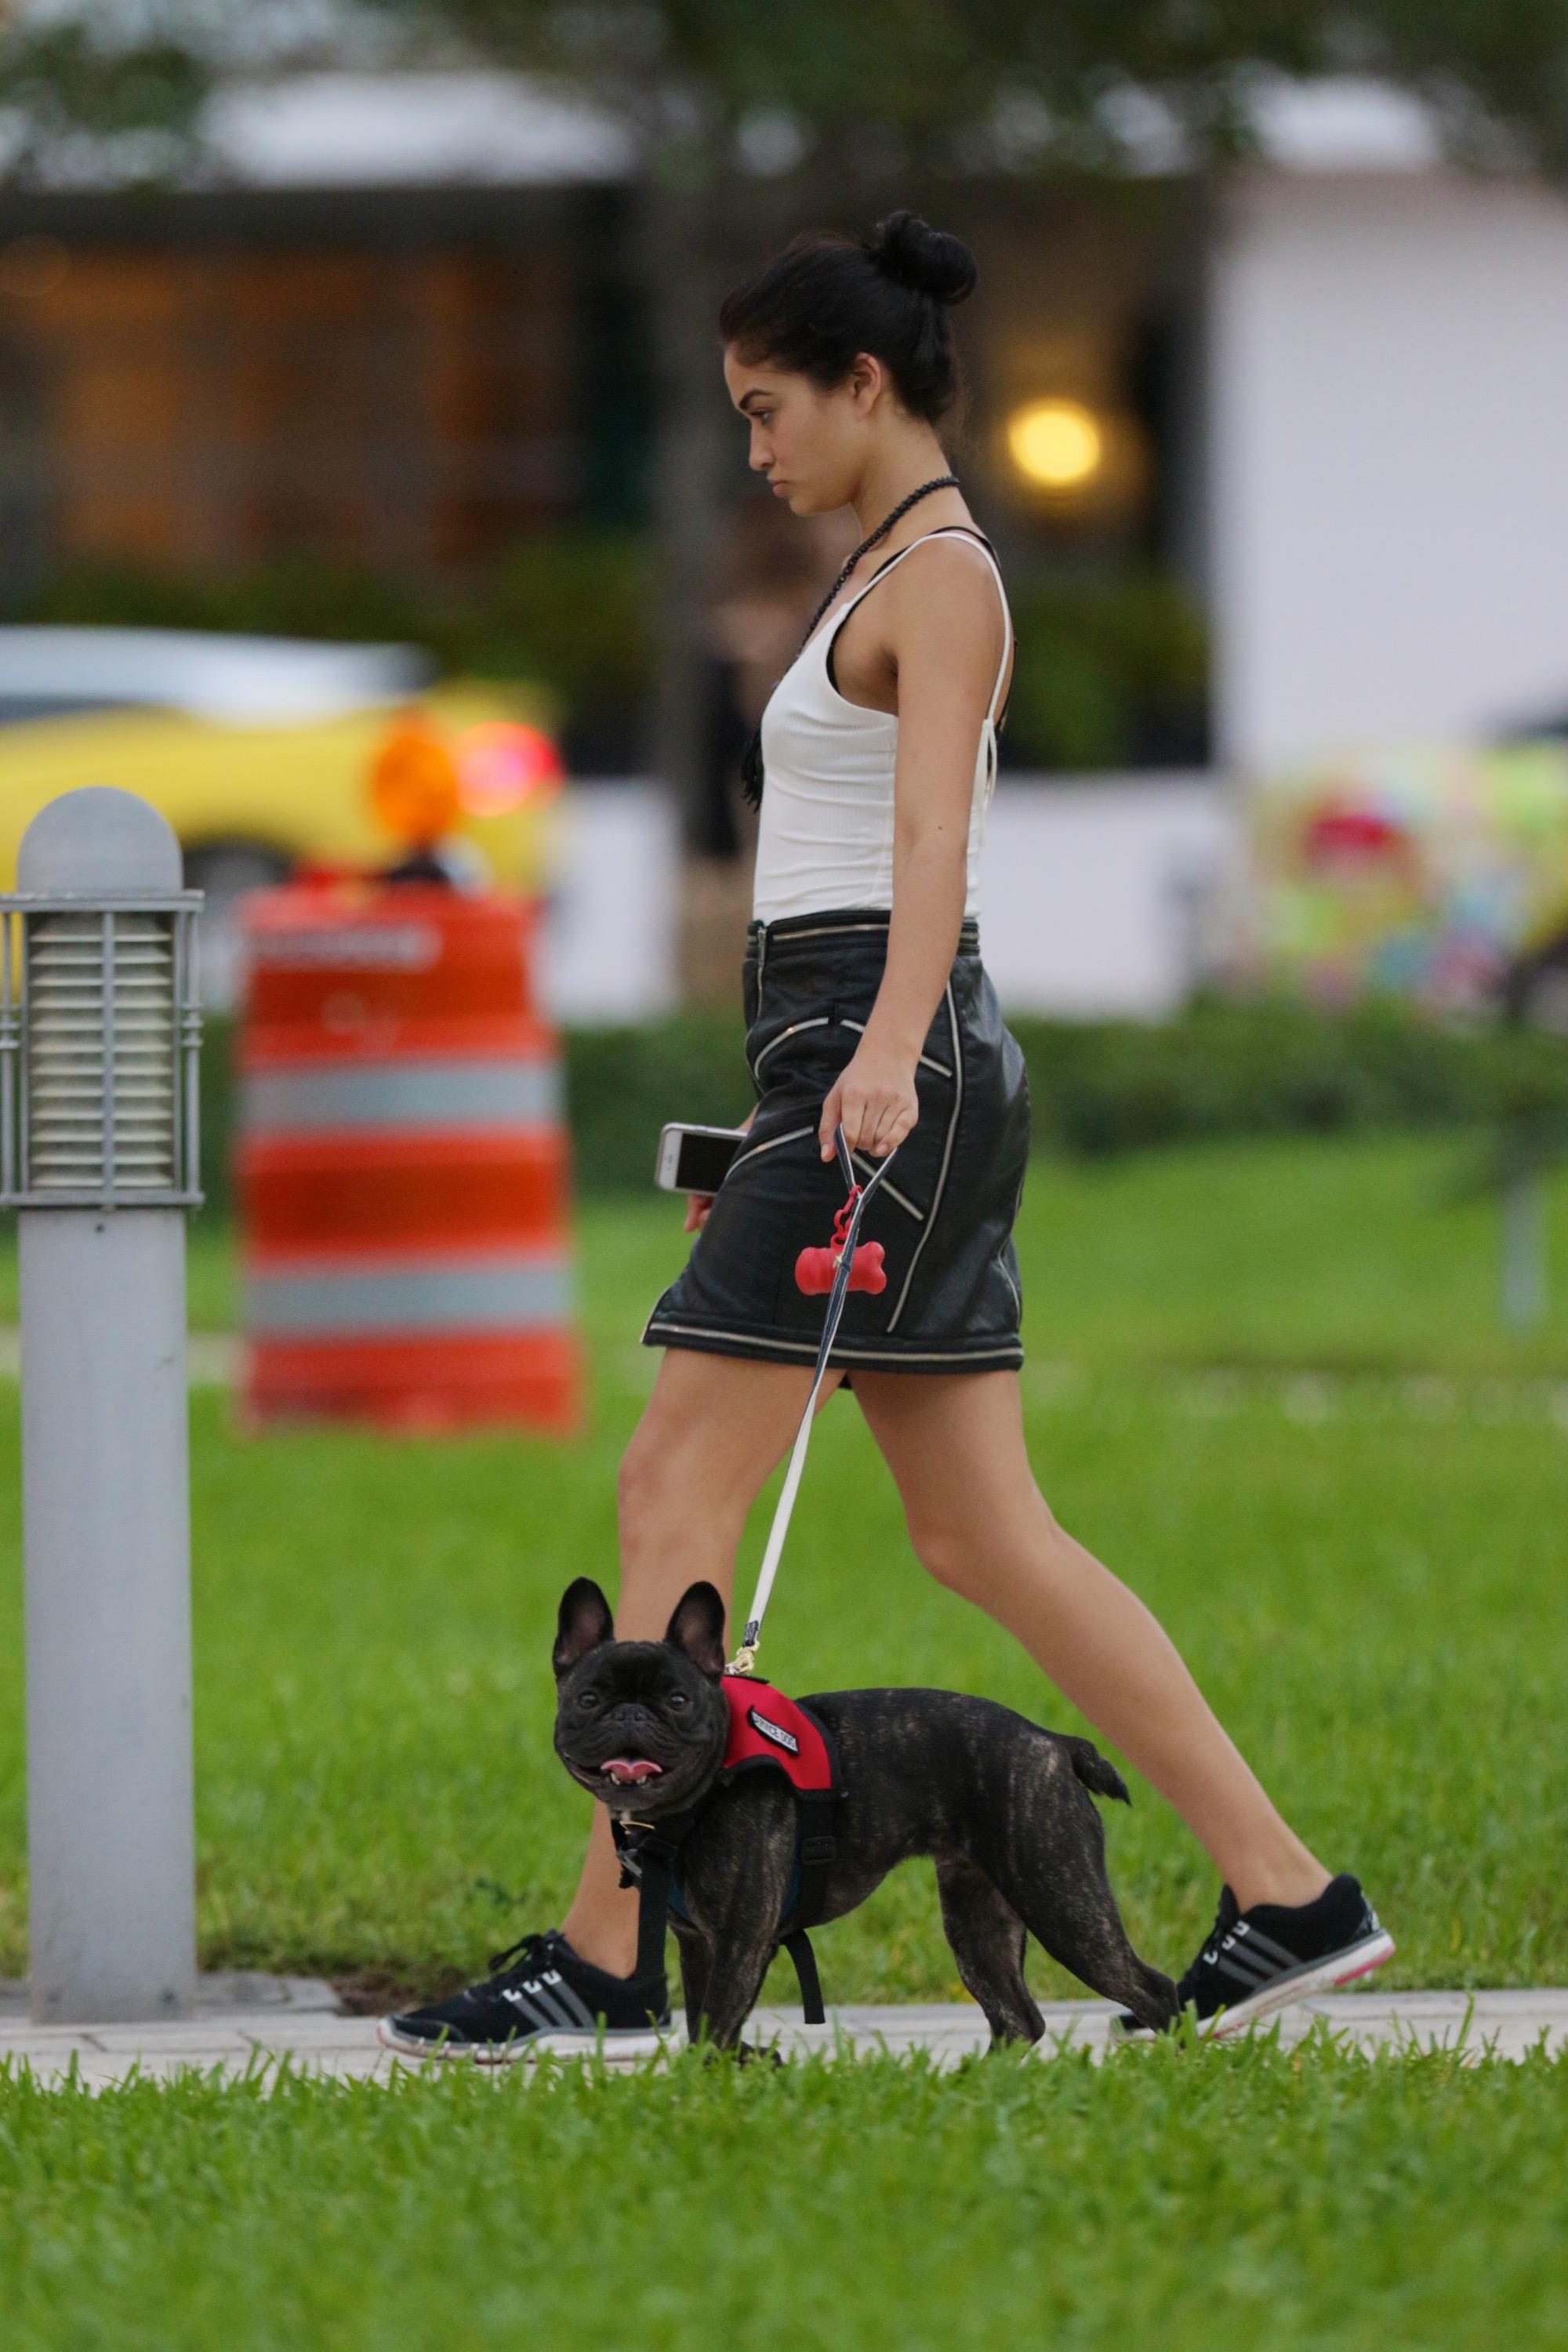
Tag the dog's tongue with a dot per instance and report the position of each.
(630, 1771)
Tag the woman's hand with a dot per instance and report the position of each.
(698, 1204)
(874, 1097)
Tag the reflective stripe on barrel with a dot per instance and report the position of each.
(404, 1097)
(512, 1293)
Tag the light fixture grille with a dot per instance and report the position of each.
(100, 1052)
(105, 1034)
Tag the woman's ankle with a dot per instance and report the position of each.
(1289, 1881)
(606, 1944)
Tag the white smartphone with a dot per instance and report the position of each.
(695, 1158)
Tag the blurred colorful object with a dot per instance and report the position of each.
(414, 782)
(423, 778)
(1424, 872)
(505, 765)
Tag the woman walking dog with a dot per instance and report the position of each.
(867, 1003)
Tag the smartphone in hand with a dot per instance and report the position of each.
(693, 1158)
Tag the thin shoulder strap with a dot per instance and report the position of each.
(990, 555)
(942, 532)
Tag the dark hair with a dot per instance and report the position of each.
(828, 297)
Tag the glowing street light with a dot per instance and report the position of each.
(1057, 445)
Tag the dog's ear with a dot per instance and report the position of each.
(585, 1621)
(697, 1628)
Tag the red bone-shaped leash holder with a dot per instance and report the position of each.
(814, 1268)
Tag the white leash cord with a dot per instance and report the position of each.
(744, 1659)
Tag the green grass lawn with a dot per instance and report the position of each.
(1180, 2200)
(1351, 1256)
(1266, 1383)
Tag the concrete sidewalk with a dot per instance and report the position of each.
(250, 2021)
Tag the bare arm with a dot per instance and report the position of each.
(945, 637)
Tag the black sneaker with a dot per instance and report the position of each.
(1261, 1959)
(543, 1993)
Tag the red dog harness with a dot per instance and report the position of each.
(767, 1732)
(765, 1727)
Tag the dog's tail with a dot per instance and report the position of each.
(1093, 1771)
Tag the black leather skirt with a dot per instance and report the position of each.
(944, 1213)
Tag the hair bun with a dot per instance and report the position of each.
(927, 258)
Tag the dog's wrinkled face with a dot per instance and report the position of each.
(642, 1724)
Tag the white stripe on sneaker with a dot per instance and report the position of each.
(1297, 1984)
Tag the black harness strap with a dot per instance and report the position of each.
(798, 1944)
(653, 1913)
(816, 1814)
(817, 1817)
(646, 1859)
(649, 1851)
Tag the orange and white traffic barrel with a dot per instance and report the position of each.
(402, 1163)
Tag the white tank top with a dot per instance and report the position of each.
(825, 835)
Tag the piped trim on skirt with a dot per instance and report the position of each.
(727, 1340)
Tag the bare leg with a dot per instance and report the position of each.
(709, 1434)
(954, 1442)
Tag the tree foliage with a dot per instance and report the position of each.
(905, 83)
(1079, 81)
(131, 95)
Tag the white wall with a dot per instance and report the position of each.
(1089, 895)
(1388, 460)
(609, 938)
(1092, 895)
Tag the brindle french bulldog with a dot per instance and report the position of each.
(1001, 1806)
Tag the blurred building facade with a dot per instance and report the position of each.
(395, 320)
(221, 379)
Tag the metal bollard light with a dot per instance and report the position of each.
(98, 1032)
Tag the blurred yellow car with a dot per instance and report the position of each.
(261, 751)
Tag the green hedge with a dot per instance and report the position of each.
(1257, 1068)
(1096, 1087)
(1110, 674)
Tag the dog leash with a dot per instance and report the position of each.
(744, 1659)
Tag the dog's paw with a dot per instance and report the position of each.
(738, 2054)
